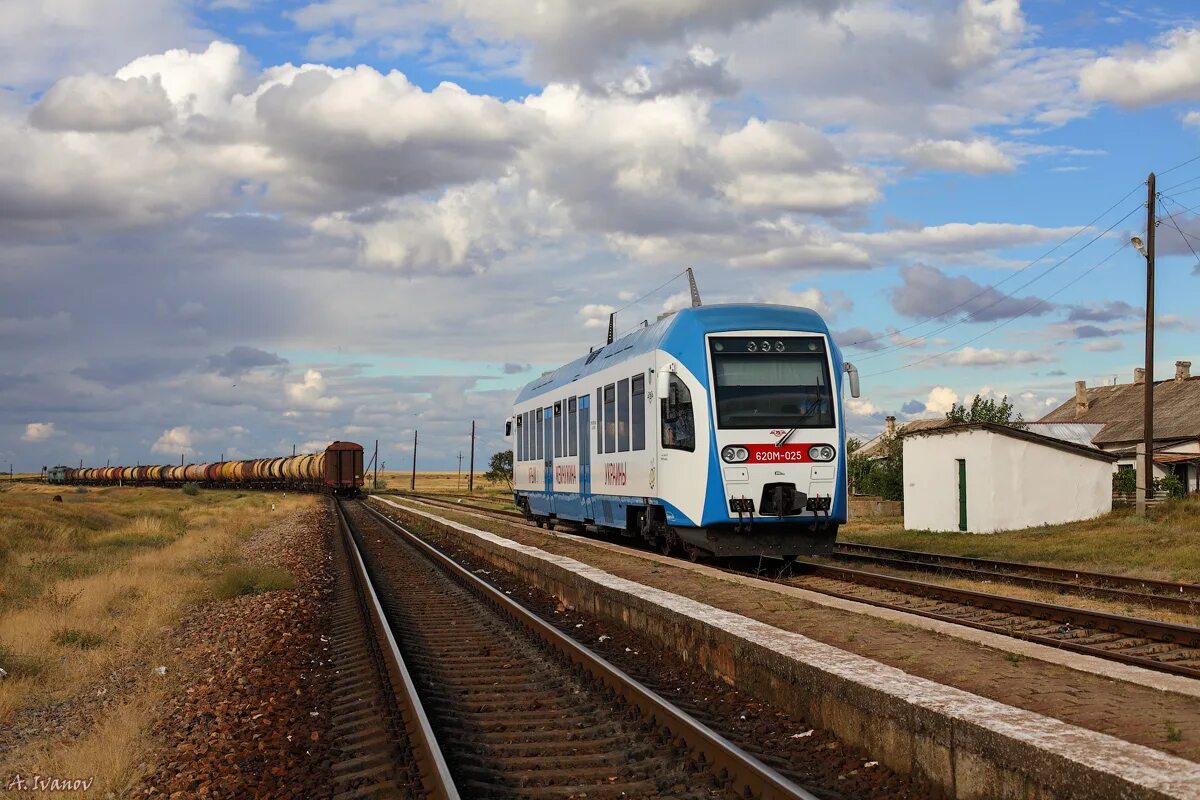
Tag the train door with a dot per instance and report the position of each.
(547, 430)
(585, 452)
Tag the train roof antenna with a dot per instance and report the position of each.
(610, 327)
(692, 285)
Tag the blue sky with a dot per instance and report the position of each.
(211, 248)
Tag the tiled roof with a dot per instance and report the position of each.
(874, 448)
(1119, 408)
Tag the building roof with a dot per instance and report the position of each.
(1083, 433)
(1019, 433)
(1119, 409)
(875, 447)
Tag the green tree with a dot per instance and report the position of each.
(990, 410)
(881, 476)
(500, 468)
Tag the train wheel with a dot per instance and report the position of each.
(550, 523)
(541, 523)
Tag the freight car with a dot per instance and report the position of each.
(718, 431)
(337, 470)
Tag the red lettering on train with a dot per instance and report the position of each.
(533, 475)
(614, 475)
(565, 473)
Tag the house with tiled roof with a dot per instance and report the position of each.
(1115, 415)
(877, 447)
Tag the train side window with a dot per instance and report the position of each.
(558, 429)
(623, 415)
(610, 418)
(520, 438)
(525, 434)
(638, 419)
(572, 428)
(678, 424)
(599, 422)
(540, 437)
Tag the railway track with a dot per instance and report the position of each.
(1152, 644)
(1177, 596)
(518, 709)
(382, 743)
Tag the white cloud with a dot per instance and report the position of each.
(49, 325)
(1137, 77)
(38, 431)
(827, 305)
(1104, 346)
(978, 156)
(985, 29)
(93, 102)
(196, 83)
(595, 315)
(175, 441)
(941, 399)
(309, 394)
(987, 357)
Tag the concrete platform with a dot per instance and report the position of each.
(947, 739)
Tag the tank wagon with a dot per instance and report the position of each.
(718, 430)
(336, 470)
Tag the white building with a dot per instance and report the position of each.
(985, 478)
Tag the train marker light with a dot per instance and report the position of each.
(734, 454)
(821, 452)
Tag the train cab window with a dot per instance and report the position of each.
(558, 429)
(678, 424)
(572, 428)
(610, 418)
(637, 422)
(539, 437)
(623, 415)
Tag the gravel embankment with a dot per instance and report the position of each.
(253, 719)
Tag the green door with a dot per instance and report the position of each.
(962, 494)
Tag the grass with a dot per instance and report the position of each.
(95, 583)
(1173, 733)
(252, 579)
(446, 483)
(1166, 545)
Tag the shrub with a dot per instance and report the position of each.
(191, 489)
(1125, 481)
(1169, 485)
(74, 637)
(242, 579)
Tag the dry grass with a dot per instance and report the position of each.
(1165, 546)
(96, 582)
(445, 483)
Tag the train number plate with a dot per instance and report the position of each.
(771, 454)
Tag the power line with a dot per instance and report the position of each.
(1007, 296)
(1181, 233)
(995, 328)
(1180, 164)
(986, 289)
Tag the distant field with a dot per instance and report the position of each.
(442, 483)
(91, 585)
(1166, 545)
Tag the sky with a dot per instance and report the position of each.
(228, 227)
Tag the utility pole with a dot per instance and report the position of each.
(375, 461)
(1145, 487)
(413, 485)
(458, 480)
(471, 475)
(293, 450)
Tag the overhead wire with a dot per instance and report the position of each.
(1005, 296)
(993, 329)
(986, 289)
(1186, 239)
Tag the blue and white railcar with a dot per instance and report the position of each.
(717, 430)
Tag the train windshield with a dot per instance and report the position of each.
(771, 383)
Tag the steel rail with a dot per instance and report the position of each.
(743, 769)
(1138, 627)
(1183, 597)
(435, 774)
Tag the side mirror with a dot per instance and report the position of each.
(852, 371)
(662, 389)
(508, 427)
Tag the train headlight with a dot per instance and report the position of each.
(734, 454)
(821, 452)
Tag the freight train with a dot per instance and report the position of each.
(338, 470)
(717, 430)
